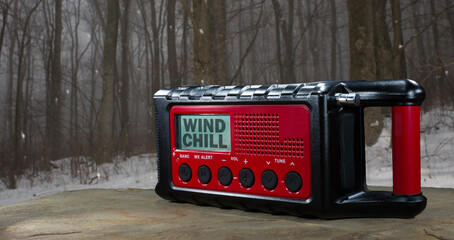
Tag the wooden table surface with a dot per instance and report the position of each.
(141, 214)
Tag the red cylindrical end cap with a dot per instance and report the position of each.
(406, 150)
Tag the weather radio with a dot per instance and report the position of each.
(287, 148)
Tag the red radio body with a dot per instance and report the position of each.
(296, 148)
(272, 137)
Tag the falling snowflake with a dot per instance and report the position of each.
(201, 31)
(23, 135)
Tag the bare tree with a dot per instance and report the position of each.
(439, 78)
(314, 39)
(286, 69)
(105, 138)
(382, 49)
(13, 31)
(184, 43)
(5, 9)
(400, 65)
(287, 32)
(208, 19)
(156, 60)
(203, 59)
(277, 22)
(303, 27)
(218, 22)
(124, 145)
(54, 97)
(333, 38)
(362, 64)
(450, 15)
(171, 45)
(19, 134)
(72, 23)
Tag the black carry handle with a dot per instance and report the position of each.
(405, 97)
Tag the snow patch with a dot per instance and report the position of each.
(437, 152)
(134, 172)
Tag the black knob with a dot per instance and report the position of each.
(185, 173)
(204, 174)
(246, 177)
(225, 176)
(269, 179)
(293, 181)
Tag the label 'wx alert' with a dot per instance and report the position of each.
(203, 132)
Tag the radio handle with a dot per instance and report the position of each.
(405, 97)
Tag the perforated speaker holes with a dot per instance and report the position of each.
(258, 134)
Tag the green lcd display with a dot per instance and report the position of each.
(208, 132)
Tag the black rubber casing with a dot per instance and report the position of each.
(337, 147)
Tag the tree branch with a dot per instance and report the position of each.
(434, 19)
(248, 49)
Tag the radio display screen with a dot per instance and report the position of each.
(207, 132)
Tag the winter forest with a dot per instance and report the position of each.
(77, 76)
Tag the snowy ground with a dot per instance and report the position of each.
(437, 152)
(135, 172)
(437, 166)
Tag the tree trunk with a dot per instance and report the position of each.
(184, 40)
(304, 42)
(400, 65)
(171, 45)
(5, 9)
(439, 75)
(74, 101)
(240, 44)
(417, 22)
(53, 113)
(125, 145)
(156, 73)
(450, 16)
(383, 48)
(277, 22)
(333, 39)
(27, 118)
(92, 116)
(18, 137)
(362, 64)
(203, 58)
(11, 64)
(18, 151)
(314, 45)
(253, 59)
(219, 30)
(287, 32)
(105, 138)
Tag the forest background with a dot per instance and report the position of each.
(77, 76)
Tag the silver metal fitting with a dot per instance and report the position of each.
(347, 98)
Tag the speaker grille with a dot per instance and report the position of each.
(258, 134)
